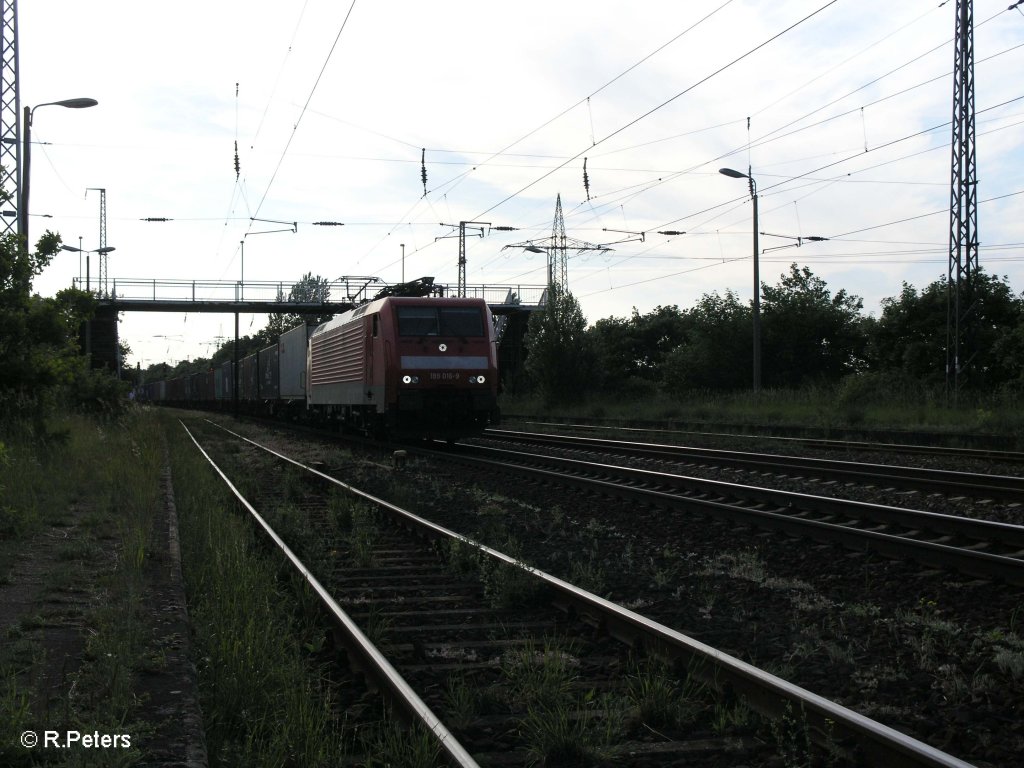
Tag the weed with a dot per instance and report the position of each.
(14, 703)
(363, 536)
(727, 716)
(1010, 662)
(661, 700)
(558, 735)
(661, 576)
(264, 702)
(587, 575)
(460, 703)
(558, 723)
(792, 736)
(377, 625)
(395, 745)
(462, 557)
(509, 585)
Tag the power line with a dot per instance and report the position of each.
(665, 103)
(302, 113)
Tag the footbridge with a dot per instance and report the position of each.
(510, 304)
(163, 295)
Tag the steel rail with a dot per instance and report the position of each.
(1006, 487)
(771, 695)
(989, 454)
(370, 659)
(966, 560)
(1005, 535)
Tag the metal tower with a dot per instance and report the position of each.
(961, 305)
(10, 124)
(558, 259)
(102, 250)
(481, 227)
(558, 247)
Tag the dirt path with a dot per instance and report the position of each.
(48, 610)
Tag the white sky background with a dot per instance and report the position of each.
(467, 80)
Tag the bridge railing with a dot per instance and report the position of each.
(355, 289)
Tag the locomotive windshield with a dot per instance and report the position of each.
(440, 321)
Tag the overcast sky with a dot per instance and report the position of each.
(843, 119)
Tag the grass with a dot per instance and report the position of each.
(856, 404)
(264, 701)
(661, 701)
(97, 484)
(556, 722)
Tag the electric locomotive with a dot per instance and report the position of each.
(406, 367)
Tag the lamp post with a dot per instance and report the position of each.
(79, 251)
(27, 156)
(757, 277)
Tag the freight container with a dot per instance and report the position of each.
(292, 363)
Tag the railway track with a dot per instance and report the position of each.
(972, 484)
(984, 447)
(978, 547)
(443, 628)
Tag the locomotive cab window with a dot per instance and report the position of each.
(461, 321)
(440, 321)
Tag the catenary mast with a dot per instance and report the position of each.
(961, 304)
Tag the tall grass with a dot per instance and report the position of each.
(97, 483)
(264, 702)
(866, 401)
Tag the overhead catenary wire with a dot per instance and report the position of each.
(309, 98)
(665, 103)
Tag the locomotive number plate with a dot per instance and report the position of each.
(444, 376)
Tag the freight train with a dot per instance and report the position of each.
(396, 366)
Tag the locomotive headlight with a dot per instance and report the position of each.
(407, 379)
(480, 379)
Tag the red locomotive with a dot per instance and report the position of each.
(410, 366)
(405, 365)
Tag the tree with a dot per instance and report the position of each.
(809, 335)
(25, 322)
(716, 352)
(559, 359)
(632, 351)
(40, 363)
(311, 290)
(910, 337)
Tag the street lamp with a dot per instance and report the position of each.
(79, 251)
(757, 277)
(27, 156)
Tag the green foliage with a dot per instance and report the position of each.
(263, 702)
(910, 336)
(310, 289)
(812, 337)
(716, 352)
(634, 350)
(40, 362)
(809, 334)
(560, 361)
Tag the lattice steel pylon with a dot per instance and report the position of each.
(102, 250)
(557, 248)
(558, 258)
(961, 302)
(10, 121)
